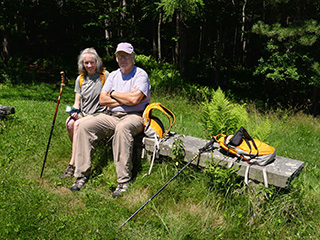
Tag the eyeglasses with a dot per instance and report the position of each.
(126, 57)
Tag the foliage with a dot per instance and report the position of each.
(216, 43)
(178, 151)
(222, 116)
(186, 7)
(14, 72)
(221, 180)
(279, 67)
(165, 78)
(288, 62)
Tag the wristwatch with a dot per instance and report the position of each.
(111, 94)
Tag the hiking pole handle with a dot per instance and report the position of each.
(206, 147)
(63, 79)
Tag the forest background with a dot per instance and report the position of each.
(264, 50)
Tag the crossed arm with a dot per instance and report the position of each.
(121, 98)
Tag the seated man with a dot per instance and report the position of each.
(126, 93)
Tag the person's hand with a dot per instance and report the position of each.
(75, 116)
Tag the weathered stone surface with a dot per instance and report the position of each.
(279, 173)
(6, 110)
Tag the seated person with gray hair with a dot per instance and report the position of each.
(126, 93)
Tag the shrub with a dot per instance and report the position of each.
(163, 77)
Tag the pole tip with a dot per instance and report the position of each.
(40, 182)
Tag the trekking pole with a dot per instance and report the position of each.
(54, 120)
(208, 146)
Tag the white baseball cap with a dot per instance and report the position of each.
(125, 47)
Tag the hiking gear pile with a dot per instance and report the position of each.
(243, 146)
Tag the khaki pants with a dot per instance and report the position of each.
(124, 127)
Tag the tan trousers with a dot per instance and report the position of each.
(124, 127)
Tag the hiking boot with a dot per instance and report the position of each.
(69, 171)
(122, 187)
(79, 183)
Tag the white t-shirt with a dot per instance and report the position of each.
(124, 83)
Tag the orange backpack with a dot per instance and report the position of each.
(243, 146)
(153, 127)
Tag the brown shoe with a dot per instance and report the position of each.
(69, 171)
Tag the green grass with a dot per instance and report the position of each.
(188, 208)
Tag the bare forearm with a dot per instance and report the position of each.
(106, 100)
(77, 101)
(128, 98)
(121, 98)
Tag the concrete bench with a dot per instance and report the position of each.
(280, 172)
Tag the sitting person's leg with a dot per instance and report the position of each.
(123, 141)
(89, 132)
(73, 125)
(70, 125)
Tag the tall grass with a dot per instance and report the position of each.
(196, 205)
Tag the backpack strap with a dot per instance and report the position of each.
(241, 135)
(156, 149)
(264, 172)
(101, 76)
(247, 137)
(81, 80)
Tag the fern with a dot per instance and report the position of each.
(222, 116)
(262, 130)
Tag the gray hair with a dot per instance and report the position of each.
(95, 55)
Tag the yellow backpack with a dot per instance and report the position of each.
(243, 146)
(259, 155)
(101, 75)
(153, 127)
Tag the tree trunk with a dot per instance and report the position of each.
(182, 48)
(176, 49)
(159, 36)
(123, 15)
(5, 45)
(243, 38)
(200, 42)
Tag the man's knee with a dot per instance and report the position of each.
(122, 127)
(76, 125)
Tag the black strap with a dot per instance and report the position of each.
(248, 137)
(239, 136)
